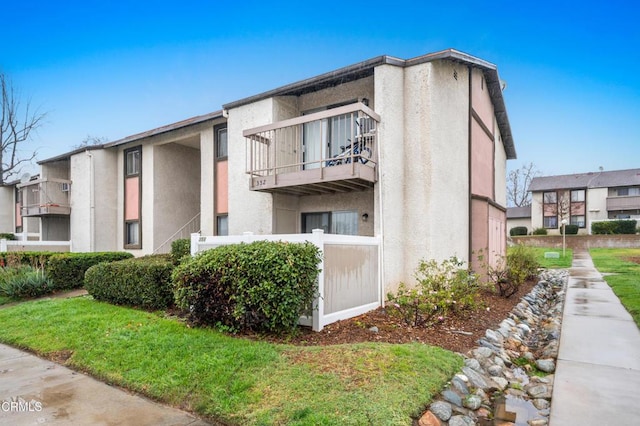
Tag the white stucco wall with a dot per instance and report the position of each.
(207, 182)
(536, 210)
(7, 209)
(512, 223)
(596, 205)
(93, 196)
(248, 210)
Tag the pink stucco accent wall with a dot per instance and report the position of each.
(222, 187)
(481, 101)
(18, 214)
(482, 162)
(132, 198)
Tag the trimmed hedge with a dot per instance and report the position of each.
(66, 270)
(7, 236)
(143, 282)
(262, 286)
(570, 229)
(179, 249)
(36, 259)
(614, 227)
(518, 230)
(539, 231)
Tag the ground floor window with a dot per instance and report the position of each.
(132, 233)
(550, 222)
(222, 225)
(338, 222)
(578, 220)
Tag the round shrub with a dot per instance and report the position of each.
(518, 230)
(143, 282)
(539, 231)
(570, 229)
(66, 270)
(262, 286)
(179, 249)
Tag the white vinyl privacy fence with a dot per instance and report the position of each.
(17, 245)
(349, 282)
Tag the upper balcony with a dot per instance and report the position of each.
(324, 152)
(623, 203)
(43, 197)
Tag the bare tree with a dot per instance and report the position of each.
(91, 141)
(518, 182)
(16, 124)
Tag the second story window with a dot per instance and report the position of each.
(133, 162)
(221, 144)
(550, 210)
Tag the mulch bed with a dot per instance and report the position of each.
(457, 333)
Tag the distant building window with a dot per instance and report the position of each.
(577, 195)
(578, 220)
(550, 197)
(551, 222)
(222, 225)
(625, 192)
(221, 143)
(133, 198)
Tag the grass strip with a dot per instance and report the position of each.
(626, 279)
(232, 379)
(551, 263)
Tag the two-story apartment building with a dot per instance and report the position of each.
(412, 151)
(583, 198)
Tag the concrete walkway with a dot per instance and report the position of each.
(35, 391)
(597, 378)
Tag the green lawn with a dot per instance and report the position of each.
(626, 281)
(233, 379)
(560, 263)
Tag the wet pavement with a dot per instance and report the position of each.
(597, 378)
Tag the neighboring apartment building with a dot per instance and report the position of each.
(413, 151)
(583, 198)
(519, 216)
(11, 220)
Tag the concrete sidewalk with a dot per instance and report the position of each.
(36, 391)
(597, 378)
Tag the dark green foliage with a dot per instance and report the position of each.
(179, 249)
(262, 286)
(36, 259)
(539, 231)
(7, 236)
(518, 230)
(614, 227)
(570, 229)
(144, 282)
(66, 270)
(22, 281)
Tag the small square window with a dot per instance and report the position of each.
(551, 222)
(578, 220)
(577, 196)
(550, 197)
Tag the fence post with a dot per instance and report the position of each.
(3, 245)
(195, 237)
(318, 314)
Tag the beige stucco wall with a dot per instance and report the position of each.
(176, 189)
(93, 198)
(512, 223)
(55, 170)
(248, 210)
(423, 165)
(207, 182)
(7, 209)
(596, 205)
(361, 201)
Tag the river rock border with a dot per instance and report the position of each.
(500, 370)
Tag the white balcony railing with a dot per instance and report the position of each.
(45, 197)
(331, 145)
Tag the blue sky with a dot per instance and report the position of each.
(572, 68)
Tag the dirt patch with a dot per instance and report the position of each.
(457, 333)
(634, 259)
(60, 357)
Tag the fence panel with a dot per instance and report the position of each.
(349, 279)
(56, 246)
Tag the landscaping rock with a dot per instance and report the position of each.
(461, 421)
(546, 365)
(452, 397)
(472, 402)
(441, 409)
(429, 419)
